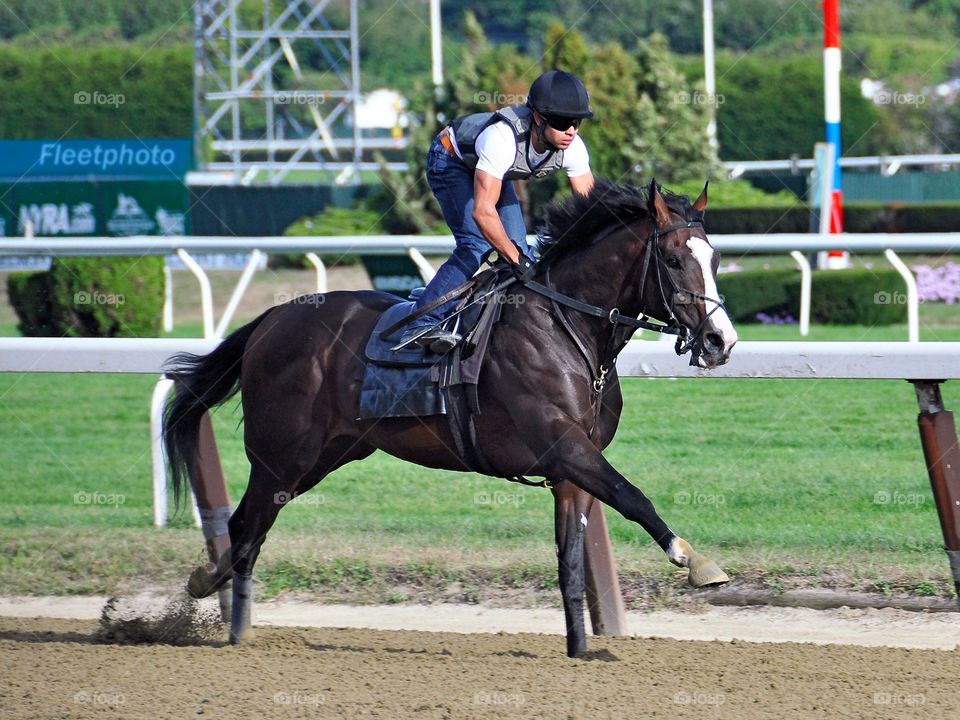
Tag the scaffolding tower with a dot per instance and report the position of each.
(258, 115)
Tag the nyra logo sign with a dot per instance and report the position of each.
(57, 219)
(129, 218)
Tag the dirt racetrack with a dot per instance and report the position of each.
(52, 668)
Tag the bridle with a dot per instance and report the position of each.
(653, 254)
(686, 339)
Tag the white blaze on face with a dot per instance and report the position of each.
(703, 253)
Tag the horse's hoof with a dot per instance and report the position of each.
(704, 572)
(244, 637)
(576, 649)
(205, 580)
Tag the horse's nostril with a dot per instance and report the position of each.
(713, 342)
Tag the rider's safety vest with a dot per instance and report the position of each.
(466, 129)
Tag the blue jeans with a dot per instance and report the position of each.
(452, 184)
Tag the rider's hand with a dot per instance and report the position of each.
(523, 269)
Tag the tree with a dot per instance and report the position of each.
(774, 109)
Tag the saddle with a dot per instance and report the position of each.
(414, 381)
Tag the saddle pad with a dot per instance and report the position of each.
(378, 351)
(400, 392)
(399, 384)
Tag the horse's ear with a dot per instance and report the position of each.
(657, 206)
(701, 203)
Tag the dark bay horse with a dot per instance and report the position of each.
(546, 409)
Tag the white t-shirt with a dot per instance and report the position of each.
(496, 148)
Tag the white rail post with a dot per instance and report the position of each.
(206, 295)
(238, 292)
(167, 299)
(321, 269)
(157, 404)
(805, 289)
(913, 296)
(423, 265)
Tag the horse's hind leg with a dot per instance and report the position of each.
(571, 509)
(267, 492)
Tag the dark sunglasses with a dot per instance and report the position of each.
(562, 123)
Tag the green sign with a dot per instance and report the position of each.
(115, 209)
(95, 209)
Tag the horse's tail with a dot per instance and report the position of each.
(203, 382)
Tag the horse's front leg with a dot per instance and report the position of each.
(571, 510)
(572, 455)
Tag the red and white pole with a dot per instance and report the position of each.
(831, 107)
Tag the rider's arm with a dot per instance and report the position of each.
(486, 195)
(576, 163)
(582, 184)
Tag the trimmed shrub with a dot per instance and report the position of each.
(754, 291)
(857, 217)
(838, 297)
(757, 220)
(91, 297)
(29, 294)
(854, 297)
(332, 221)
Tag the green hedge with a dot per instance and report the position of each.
(838, 297)
(858, 217)
(332, 221)
(144, 92)
(90, 297)
(750, 292)
(854, 297)
(29, 294)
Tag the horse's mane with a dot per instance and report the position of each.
(573, 222)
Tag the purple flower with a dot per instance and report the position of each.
(940, 284)
(780, 318)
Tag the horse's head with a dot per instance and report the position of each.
(678, 280)
(642, 252)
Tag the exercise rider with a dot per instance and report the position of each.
(470, 166)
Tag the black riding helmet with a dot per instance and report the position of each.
(558, 93)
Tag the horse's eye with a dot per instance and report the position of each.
(673, 263)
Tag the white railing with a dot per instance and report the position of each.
(796, 244)
(888, 164)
